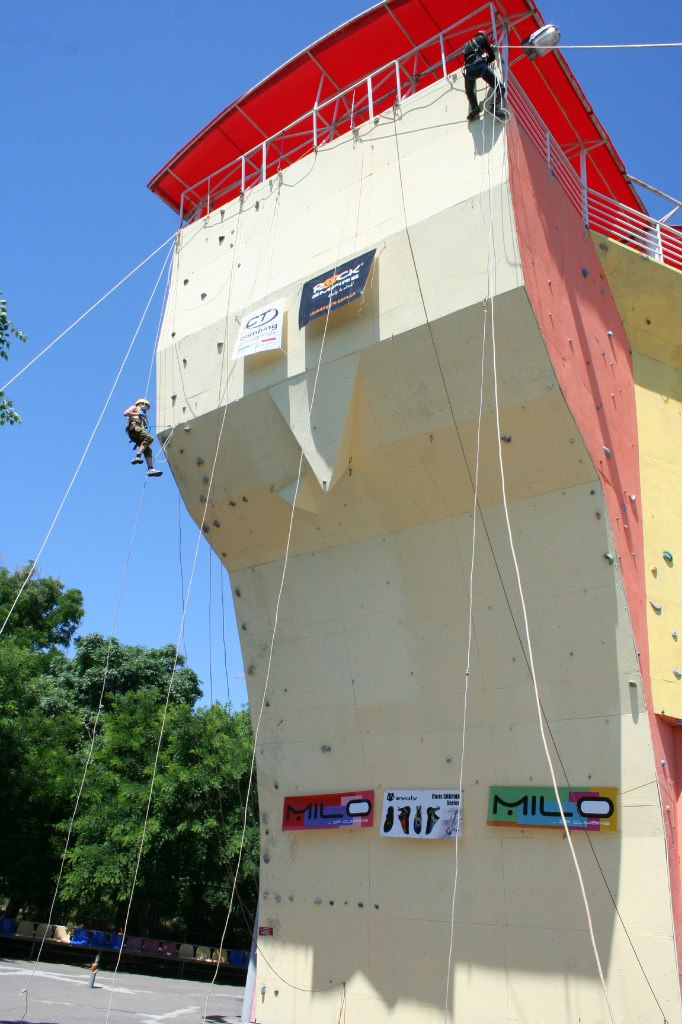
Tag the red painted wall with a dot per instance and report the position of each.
(590, 352)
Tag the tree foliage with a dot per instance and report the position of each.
(8, 331)
(49, 708)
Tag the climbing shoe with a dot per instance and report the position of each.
(474, 112)
(404, 819)
(154, 472)
(418, 820)
(388, 820)
(431, 818)
(137, 461)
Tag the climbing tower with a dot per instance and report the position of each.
(420, 390)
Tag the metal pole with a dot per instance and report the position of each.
(315, 127)
(264, 172)
(442, 55)
(548, 150)
(583, 186)
(397, 82)
(370, 98)
(243, 176)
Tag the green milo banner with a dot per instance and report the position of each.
(593, 809)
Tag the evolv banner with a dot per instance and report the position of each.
(594, 809)
(329, 810)
(334, 288)
(260, 331)
(422, 814)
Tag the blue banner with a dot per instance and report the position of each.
(334, 288)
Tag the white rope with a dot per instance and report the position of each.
(83, 315)
(34, 563)
(274, 634)
(531, 662)
(175, 660)
(88, 760)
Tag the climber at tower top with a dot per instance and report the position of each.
(137, 431)
(478, 56)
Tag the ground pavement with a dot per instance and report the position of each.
(60, 994)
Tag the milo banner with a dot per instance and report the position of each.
(593, 808)
(334, 288)
(422, 814)
(329, 810)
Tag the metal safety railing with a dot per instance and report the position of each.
(389, 85)
(632, 227)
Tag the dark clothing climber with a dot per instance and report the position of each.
(478, 56)
(136, 429)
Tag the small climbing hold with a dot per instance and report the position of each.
(607, 452)
(677, 673)
(656, 607)
(203, 296)
(609, 557)
(674, 634)
(232, 504)
(506, 438)
(597, 515)
(585, 272)
(609, 334)
(200, 461)
(632, 682)
(325, 748)
(632, 497)
(205, 528)
(318, 899)
(668, 557)
(654, 570)
(202, 498)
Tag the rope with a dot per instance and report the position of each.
(87, 311)
(100, 705)
(170, 680)
(34, 562)
(274, 634)
(531, 662)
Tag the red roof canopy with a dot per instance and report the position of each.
(357, 49)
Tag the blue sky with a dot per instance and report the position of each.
(95, 99)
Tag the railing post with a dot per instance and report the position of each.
(315, 127)
(243, 189)
(397, 82)
(264, 169)
(442, 55)
(370, 98)
(583, 187)
(548, 150)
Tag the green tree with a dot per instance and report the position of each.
(194, 828)
(7, 331)
(45, 616)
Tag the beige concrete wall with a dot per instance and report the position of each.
(370, 652)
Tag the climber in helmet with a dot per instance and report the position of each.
(478, 56)
(137, 431)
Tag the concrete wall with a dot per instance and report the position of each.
(366, 684)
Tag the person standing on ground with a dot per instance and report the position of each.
(138, 433)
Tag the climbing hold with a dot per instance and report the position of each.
(216, 523)
(506, 438)
(656, 607)
(202, 498)
(607, 452)
(632, 497)
(632, 682)
(205, 528)
(325, 748)
(597, 515)
(232, 504)
(668, 557)
(624, 507)
(674, 634)
(677, 673)
(654, 570)
(609, 334)
(318, 899)
(609, 557)
(585, 272)
(200, 461)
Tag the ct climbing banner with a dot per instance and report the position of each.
(329, 810)
(260, 331)
(593, 808)
(422, 814)
(334, 288)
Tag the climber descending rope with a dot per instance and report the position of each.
(137, 432)
(478, 56)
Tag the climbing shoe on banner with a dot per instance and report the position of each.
(404, 819)
(388, 820)
(431, 818)
(417, 826)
